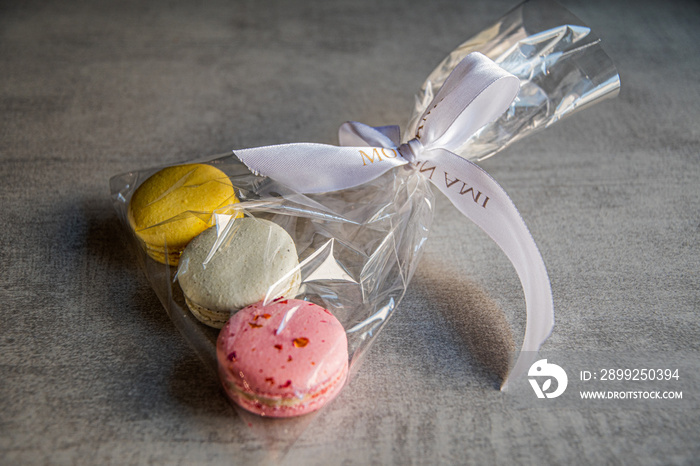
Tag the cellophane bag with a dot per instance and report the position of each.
(359, 246)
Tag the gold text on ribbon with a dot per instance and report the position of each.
(386, 152)
(424, 167)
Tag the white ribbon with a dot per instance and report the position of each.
(476, 93)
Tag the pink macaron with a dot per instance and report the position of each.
(284, 359)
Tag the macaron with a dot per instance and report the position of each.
(229, 267)
(176, 204)
(284, 359)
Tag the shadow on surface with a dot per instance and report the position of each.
(475, 317)
(267, 440)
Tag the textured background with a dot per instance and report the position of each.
(91, 369)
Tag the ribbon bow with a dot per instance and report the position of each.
(474, 94)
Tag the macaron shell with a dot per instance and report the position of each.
(284, 359)
(175, 204)
(246, 262)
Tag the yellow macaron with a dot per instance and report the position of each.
(176, 204)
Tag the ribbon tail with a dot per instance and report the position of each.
(481, 199)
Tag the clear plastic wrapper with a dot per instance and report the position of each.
(358, 247)
(560, 63)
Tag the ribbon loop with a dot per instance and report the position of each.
(353, 133)
(474, 94)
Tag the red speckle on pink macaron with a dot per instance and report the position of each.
(301, 342)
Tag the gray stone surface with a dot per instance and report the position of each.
(93, 372)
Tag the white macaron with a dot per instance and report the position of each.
(226, 269)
